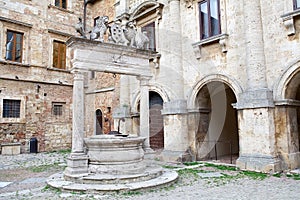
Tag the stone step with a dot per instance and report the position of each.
(121, 178)
(166, 178)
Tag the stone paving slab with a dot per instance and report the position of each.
(34, 180)
(4, 184)
(210, 175)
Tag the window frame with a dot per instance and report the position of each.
(62, 111)
(14, 48)
(144, 28)
(60, 4)
(209, 23)
(11, 108)
(295, 5)
(59, 56)
(22, 118)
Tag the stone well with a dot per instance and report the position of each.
(113, 163)
(110, 154)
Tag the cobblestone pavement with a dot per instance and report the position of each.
(23, 177)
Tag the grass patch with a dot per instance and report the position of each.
(254, 175)
(187, 172)
(221, 167)
(278, 175)
(191, 163)
(131, 193)
(294, 176)
(169, 167)
(43, 168)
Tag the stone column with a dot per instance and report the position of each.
(77, 162)
(144, 112)
(174, 76)
(255, 105)
(78, 113)
(126, 126)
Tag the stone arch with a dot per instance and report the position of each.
(280, 88)
(287, 116)
(216, 122)
(99, 121)
(144, 8)
(156, 126)
(233, 84)
(154, 88)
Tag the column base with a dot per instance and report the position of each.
(176, 156)
(262, 163)
(77, 165)
(149, 153)
(290, 160)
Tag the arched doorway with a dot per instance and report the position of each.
(292, 94)
(99, 122)
(217, 131)
(156, 121)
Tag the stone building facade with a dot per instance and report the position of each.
(227, 77)
(35, 79)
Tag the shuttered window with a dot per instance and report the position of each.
(59, 55)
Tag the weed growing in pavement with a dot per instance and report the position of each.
(254, 175)
(131, 193)
(278, 175)
(192, 163)
(64, 151)
(293, 176)
(169, 167)
(46, 188)
(42, 168)
(221, 167)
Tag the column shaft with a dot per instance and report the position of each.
(78, 113)
(144, 111)
(255, 58)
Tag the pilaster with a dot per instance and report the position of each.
(176, 147)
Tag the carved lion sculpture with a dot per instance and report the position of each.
(130, 32)
(141, 40)
(136, 38)
(79, 27)
(100, 29)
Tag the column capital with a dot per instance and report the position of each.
(144, 80)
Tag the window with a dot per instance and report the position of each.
(61, 3)
(150, 30)
(209, 18)
(296, 4)
(57, 109)
(59, 55)
(14, 45)
(11, 108)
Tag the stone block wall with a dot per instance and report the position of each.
(34, 81)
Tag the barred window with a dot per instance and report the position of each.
(11, 108)
(14, 45)
(61, 3)
(57, 109)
